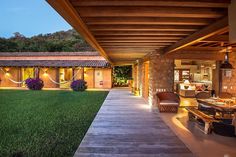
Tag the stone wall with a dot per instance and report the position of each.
(161, 76)
(140, 77)
(229, 83)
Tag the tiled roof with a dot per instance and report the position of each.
(16, 54)
(54, 63)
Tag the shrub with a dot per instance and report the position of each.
(34, 84)
(78, 85)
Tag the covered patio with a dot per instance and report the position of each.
(174, 46)
(150, 35)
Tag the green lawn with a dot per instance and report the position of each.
(45, 123)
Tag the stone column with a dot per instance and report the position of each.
(161, 76)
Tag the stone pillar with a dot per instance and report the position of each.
(228, 83)
(161, 76)
(140, 77)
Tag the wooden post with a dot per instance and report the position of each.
(232, 22)
(58, 77)
(36, 72)
(73, 73)
(20, 77)
(82, 76)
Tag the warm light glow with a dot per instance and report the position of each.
(186, 82)
(144, 106)
(178, 123)
(7, 73)
(185, 103)
(45, 73)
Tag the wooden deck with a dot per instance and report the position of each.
(126, 127)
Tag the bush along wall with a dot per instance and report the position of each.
(34, 83)
(79, 85)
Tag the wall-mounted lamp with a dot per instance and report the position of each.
(45, 73)
(226, 64)
(7, 73)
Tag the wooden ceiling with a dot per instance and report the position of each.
(126, 30)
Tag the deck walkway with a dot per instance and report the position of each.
(126, 127)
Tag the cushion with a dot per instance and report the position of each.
(168, 102)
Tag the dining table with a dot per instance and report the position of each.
(224, 106)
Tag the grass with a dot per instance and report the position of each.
(45, 123)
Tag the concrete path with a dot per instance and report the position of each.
(126, 127)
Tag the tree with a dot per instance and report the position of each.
(67, 41)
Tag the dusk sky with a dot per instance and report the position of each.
(29, 17)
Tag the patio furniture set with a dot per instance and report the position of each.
(217, 115)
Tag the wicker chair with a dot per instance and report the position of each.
(204, 108)
(168, 102)
(203, 95)
(225, 95)
(223, 129)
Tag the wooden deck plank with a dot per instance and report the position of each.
(126, 127)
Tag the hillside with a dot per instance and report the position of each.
(66, 41)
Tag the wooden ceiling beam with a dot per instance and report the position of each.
(143, 28)
(202, 55)
(131, 46)
(137, 40)
(217, 38)
(195, 48)
(140, 33)
(209, 31)
(146, 3)
(135, 44)
(150, 12)
(146, 21)
(140, 49)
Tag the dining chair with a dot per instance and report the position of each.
(225, 95)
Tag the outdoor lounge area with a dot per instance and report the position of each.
(182, 54)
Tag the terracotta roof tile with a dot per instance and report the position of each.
(16, 54)
(54, 63)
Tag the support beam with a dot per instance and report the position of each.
(138, 41)
(146, 3)
(139, 38)
(213, 29)
(135, 44)
(143, 28)
(150, 12)
(131, 46)
(196, 55)
(147, 21)
(67, 11)
(232, 21)
(140, 33)
(217, 38)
